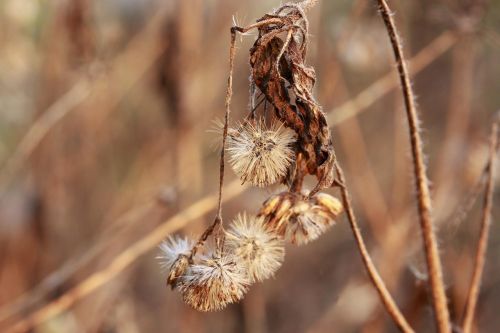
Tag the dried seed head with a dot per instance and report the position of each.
(174, 257)
(177, 270)
(275, 212)
(298, 218)
(214, 283)
(171, 249)
(262, 251)
(306, 223)
(261, 156)
(328, 203)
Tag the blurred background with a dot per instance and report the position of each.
(104, 151)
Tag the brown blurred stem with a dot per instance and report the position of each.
(379, 284)
(421, 184)
(480, 259)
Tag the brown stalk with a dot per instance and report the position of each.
(375, 277)
(480, 259)
(421, 183)
(217, 224)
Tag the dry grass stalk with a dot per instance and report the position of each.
(480, 258)
(421, 183)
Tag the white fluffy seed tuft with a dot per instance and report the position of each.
(299, 218)
(171, 249)
(258, 155)
(262, 251)
(214, 283)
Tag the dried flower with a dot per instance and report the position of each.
(298, 218)
(177, 270)
(214, 283)
(262, 251)
(171, 249)
(260, 156)
(174, 257)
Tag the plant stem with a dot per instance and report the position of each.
(217, 226)
(480, 259)
(379, 284)
(421, 183)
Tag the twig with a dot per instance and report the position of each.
(217, 224)
(379, 284)
(227, 103)
(480, 259)
(421, 183)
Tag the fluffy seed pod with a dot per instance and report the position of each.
(171, 249)
(258, 155)
(174, 257)
(177, 270)
(298, 218)
(214, 283)
(262, 251)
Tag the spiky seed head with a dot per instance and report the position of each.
(306, 223)
(177, 270)
(171, 249)
(329, 203)
(262, 252)
(274, 212)
(258, 155)
(214, 283)
(301, 219)
(174, 257)
(269, 206)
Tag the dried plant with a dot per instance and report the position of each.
(296, 144)
(260, 156)
(263, 156)
(261, 251)
(299, 218)
(214, 282)
(283, 141)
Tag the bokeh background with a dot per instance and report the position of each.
(104, 150)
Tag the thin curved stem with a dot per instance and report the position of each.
(217, 224)
(379, 284)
